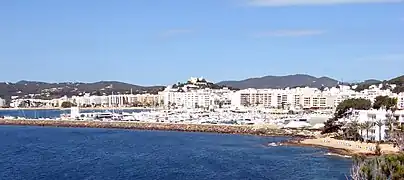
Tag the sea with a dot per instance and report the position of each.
(49, 153)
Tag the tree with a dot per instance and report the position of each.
(390, 121)
(368, 125)
(380, 123)
(332, 125)
(398, 139)
(358, 104)
(67, 104)
(384, 101)
(352, 131)
(380, 167)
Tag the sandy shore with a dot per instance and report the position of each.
(345, 147)
(225, 129)
(82, 108)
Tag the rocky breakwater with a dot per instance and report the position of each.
(226, 129)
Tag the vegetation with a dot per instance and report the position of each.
(351, 132)
(202, 83)
(342, 110)
(379, 168)
(359, 104)
(398, 81)
(362, 87)
(67, 104)
(42, 90)
(385, 102)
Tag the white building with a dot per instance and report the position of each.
(373, 117)
(278, 98)
(192, 97)
(2, 102)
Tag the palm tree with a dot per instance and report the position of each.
(368, 125)
(353, 127)
(390, 121)
(361, 128)
(380, 123)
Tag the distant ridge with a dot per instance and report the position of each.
(55, 90)
(44, 90)
(296, 80)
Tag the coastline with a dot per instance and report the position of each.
(207, 128)
(82, 108)
(335, 147)
(343, 147)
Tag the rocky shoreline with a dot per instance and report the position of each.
(332, 150)
(222, 129)
(336, 151)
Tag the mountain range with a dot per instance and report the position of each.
(33, 89)
(281, 82)
(303, 80)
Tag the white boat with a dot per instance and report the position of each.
(272, 144)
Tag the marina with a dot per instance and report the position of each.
(245, 117)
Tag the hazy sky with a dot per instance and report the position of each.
(165, 41)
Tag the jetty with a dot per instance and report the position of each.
(209, 128)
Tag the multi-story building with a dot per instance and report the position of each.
(116, 100)
(281, 98)
(193, 97)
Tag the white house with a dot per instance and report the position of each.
(374, 117)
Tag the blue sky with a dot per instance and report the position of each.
(150, 42)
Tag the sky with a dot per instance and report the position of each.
(160, 42)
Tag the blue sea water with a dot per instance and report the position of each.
(78, 153)
(54, 113)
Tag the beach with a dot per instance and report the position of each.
(345, 147)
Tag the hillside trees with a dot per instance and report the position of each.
(385, 102)
(342, 110)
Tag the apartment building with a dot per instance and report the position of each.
(191, 98)
(281, 98)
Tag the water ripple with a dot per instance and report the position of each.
(73, 153)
